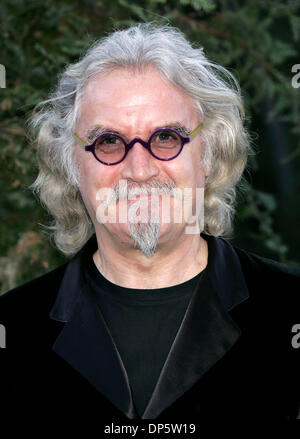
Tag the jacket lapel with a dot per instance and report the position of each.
(86, 343)
(205, 335)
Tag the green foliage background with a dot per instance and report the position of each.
(257, 41)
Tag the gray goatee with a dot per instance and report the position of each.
(146, 234)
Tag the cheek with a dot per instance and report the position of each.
(88, 168)
(182, 171)
(94, 176)
(196, 168)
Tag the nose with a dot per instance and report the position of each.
(139, 164)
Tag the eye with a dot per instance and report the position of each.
(108, 139)
(165, 136)
(165, 139)
(108, 142)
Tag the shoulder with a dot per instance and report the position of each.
(35, 299)
(39, 293)
(268, 268)
(270, 281)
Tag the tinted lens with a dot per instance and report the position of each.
(165, 144)
(109, 148)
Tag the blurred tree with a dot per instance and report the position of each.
(257, 41)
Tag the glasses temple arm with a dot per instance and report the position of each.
(79, 140)
(196, 131)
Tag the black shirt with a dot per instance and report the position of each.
(143, 324)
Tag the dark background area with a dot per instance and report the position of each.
(257, 41)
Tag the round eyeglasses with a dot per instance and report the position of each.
(110, 148)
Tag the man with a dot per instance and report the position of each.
(156, 316)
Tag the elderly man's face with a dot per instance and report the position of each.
(135, 104)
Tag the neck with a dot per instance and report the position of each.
(172, 264)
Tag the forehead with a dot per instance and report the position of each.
(124, 96)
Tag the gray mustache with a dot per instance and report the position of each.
(129, 191)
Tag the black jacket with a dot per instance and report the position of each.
(232, 356)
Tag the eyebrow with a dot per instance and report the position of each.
(94, 132)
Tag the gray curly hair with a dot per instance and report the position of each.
(213, 89)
